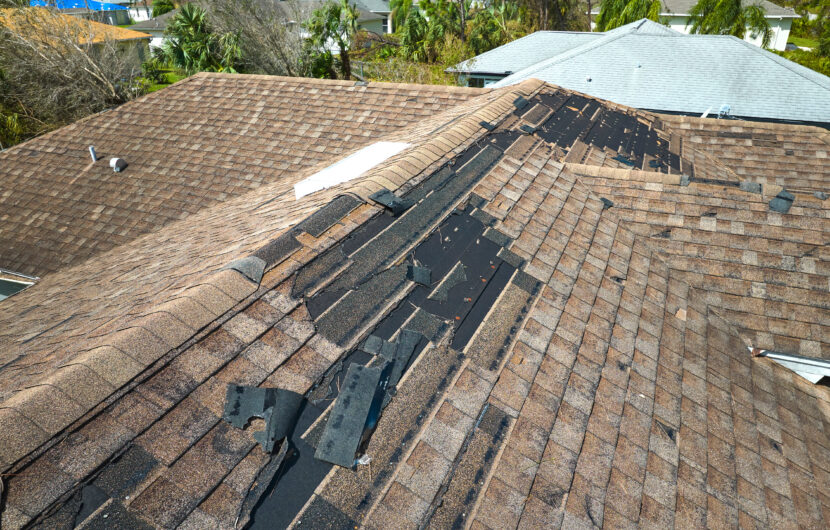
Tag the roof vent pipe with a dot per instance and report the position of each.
(118, 164)
(92, 153)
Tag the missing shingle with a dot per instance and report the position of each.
(260, 484)
(277, 250)
(329, 215)
(456, 276)
(624, 159)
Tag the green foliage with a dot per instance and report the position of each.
(11, 129)
(730, 17)
(153, 70)
(495, 25)
(812, 60)
(616, 13)
(333, 24)
(194, 47)
(400, 10)
(161, 7)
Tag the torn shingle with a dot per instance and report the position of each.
(344, 429)
(251, 267)
(391, 201)
(781, 203)
(421, 275)
(277, 406)
(751, 187)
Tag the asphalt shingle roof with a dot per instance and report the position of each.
(202, 141)
(531, 49)
(596, 276)
(688, 74)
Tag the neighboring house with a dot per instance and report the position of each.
(379, 8)
(676, 13)
(544, 311)
(133, 45)
(107, 13)
(665, 71)
(155, 27)
(491, 66)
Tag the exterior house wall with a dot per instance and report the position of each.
(780, 30)
(375, 26)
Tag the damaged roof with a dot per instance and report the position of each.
(546, 324)
(207, 139)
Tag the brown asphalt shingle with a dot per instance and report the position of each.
(608, 385)
(201, 142)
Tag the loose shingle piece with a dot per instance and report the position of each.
(552, 330)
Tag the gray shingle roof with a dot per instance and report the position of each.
(689, 74)
(682, 7)
(155, 23)
(531, 49)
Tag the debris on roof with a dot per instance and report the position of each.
(564, 364)
(781, 203)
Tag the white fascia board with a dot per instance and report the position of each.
(349, 168)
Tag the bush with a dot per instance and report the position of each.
(153, 71)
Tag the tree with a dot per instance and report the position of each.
(271, 39)
(494, 25)
(161, 7)
(194, 47)
(56, 70)
(333, 25)
(730, 17)
(400, 10)
(559, 15)
(616, 13)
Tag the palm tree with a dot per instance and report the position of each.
(400, 10)
(334, 23)
(616, 13)
(730, 17)
(193, 47)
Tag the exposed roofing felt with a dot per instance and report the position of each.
(595, 278)
(540, 45)
(683, 7)
(194, 144)
(158, 23)
(86, 31)
(690, 74)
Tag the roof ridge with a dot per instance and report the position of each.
(527, 72)
(338, 82)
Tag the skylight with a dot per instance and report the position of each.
(349, 168)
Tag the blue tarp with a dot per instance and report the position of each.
(78, 4)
